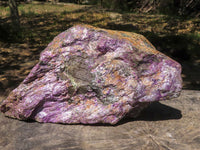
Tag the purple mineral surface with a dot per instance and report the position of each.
(90, 75)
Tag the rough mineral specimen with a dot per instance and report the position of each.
(90, 75)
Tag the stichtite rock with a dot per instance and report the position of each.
(90, 75)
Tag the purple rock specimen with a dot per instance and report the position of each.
(90, 75)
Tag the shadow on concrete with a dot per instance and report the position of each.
(155, 112)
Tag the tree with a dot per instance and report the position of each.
(14, 14)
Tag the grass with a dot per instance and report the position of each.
(37, 8)
(41, 22)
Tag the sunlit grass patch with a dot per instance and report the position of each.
(93, 18)
(46, 8)
(38, 8)
(4, 11)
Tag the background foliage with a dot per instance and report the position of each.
(173, 27)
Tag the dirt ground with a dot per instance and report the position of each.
(168, 125)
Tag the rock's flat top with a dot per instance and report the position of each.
(166, 125)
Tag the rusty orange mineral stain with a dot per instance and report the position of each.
(130, 38)
(89, 103)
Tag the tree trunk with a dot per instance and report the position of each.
(101, 3)
(14, 14)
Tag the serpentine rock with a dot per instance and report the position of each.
(90, 75)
